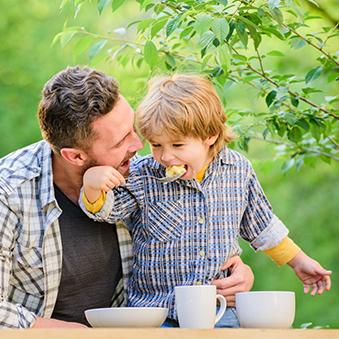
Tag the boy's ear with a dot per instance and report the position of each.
(74, 156)
(211, 140)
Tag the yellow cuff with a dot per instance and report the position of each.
(96, 206)
(284, 252)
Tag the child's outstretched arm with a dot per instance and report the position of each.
(310, 273)
(100, 178)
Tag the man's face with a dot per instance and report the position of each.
(117, 140)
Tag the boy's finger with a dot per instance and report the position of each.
(321, 287)
(327, 281)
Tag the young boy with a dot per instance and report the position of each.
(184, 231)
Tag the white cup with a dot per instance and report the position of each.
(265, 309)
(196, 306)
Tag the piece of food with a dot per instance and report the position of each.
(172, 170)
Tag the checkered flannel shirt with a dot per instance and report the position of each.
(183, 232)
(30, 241)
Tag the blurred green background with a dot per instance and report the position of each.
(306, 201)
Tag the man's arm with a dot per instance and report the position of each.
(240, 280)
(54, 323)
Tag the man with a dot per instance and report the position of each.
(55, 262)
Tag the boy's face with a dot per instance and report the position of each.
(191, 152)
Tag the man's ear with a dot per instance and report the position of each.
(211, 140)
(74, 156)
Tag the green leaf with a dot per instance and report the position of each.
(205, 61)
(101, 4)
(56, 38)
(298, 43)
(170, 60)
(289, 118)
(186, 32)
(315, 130)
(332, 77)
(294, 101)
(157, 27)
(239, 57)
(171, 26)
(96, 48)
(255, 35)
(206, 39)
(271, 30)
(299, 162)
(65, 37)
(144, 4)
(303, 124)
(298, 11)
(241, 32)
(203, 24)
(150, 53)
(221, 28)
(222, 2)
(294, 134)
(81, 45)
(277, 15)
(276, 53)
(288, 164)
(225, 59)
(116, 4)
(272, 4)
(270, 98)
(144, 24)
(313, 74)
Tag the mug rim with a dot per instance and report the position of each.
(265, 292)
(195, 286)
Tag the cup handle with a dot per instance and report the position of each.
(222, 308)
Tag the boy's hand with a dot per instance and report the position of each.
(240, 280)
(311, 273)
(100, 178)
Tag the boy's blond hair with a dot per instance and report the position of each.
(185, 106)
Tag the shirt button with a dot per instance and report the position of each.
(198, 283)
(201, 221)
(202, 253)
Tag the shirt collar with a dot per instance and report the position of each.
(45, 161)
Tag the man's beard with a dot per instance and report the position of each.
(91, 162)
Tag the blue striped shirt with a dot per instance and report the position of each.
(183, 232)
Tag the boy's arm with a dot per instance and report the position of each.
(100, 178)
(307, 270)
(284, 252)
(310, 273)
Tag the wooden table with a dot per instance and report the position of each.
(168, 333)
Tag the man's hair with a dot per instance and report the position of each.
(71, 101)
(186, 106)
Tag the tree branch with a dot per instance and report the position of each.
(292, 146)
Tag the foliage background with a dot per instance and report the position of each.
(306, 200)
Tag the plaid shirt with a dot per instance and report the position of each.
(30, 241)
(183, 232)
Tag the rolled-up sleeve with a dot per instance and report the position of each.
(260, 227)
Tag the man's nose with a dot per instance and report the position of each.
(136, 143)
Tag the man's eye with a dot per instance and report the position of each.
(177, 145)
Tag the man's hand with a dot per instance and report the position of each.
(311, 273)
(240, 280)
(54, 323)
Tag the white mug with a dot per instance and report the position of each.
(196, 306)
